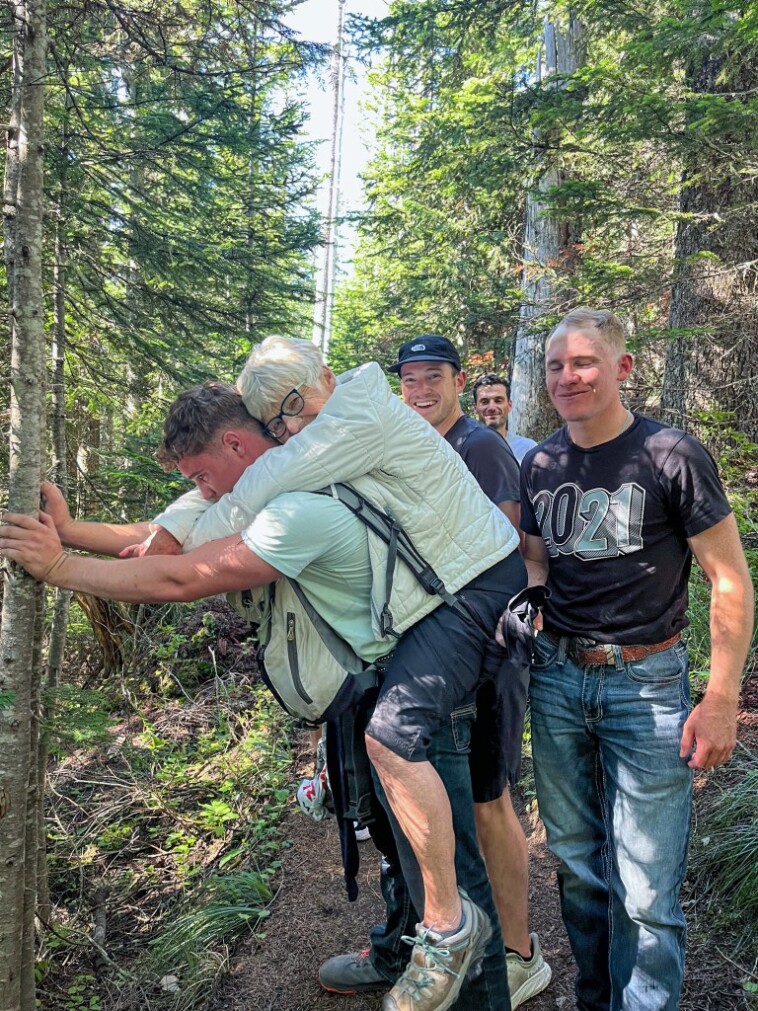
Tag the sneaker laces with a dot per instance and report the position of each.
(415, 978)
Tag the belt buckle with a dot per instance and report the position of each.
(610, 659)
(583, 642)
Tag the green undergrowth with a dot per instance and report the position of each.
(164, 822)
(723, 873)
(725, 855)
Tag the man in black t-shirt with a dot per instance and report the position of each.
(614, 506)
(431, 382)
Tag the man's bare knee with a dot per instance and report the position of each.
(490, 810)
(494, 814)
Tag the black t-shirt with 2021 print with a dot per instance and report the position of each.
(615, 520)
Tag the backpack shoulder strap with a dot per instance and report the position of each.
(399, 545)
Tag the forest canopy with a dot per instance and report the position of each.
(161, 218)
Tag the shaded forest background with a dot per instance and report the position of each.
(160, 217)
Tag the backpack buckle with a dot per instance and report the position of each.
(386, 622)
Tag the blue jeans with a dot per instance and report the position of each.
(403, 889)
(615, 798)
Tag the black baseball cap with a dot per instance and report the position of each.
(428, 348)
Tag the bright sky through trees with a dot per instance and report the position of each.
(316, 21)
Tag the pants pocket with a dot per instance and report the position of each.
(662, 668)
(544, 652)
(461, 722)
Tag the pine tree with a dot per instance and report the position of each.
(23, 201)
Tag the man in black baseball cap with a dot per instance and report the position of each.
(429, 348)
(431, 380)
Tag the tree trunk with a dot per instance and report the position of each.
(35, 819)
(712, 363)
(59, 468)
(324, 304)
(550, 250)
(87, 460)
(253, 209)
(23, 212)
(59, 475)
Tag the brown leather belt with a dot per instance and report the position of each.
(602, 652)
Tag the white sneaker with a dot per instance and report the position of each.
(527, 977)
(362, 833)
(315, 797)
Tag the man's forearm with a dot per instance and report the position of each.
(216, 568)
(102, 538)
(719, 553)
(536, 572)
(732, 617)
(710, 732)
(535, 559)
(149, 580)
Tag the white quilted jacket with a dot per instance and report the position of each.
(367, 437)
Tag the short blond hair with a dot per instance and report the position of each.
(276, 366)
(608, 327)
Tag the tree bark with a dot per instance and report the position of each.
(23, 211)
(253, 209)
(59, 475)
(35, 821)
(59, 463)
(550, 250)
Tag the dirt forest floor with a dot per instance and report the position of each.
(311, 920)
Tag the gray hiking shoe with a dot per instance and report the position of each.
(527, 977)
(439, 965)
(350, 974)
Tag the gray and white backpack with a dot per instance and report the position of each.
(312, 672)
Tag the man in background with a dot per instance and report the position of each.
(431, 381)
(492, 403)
